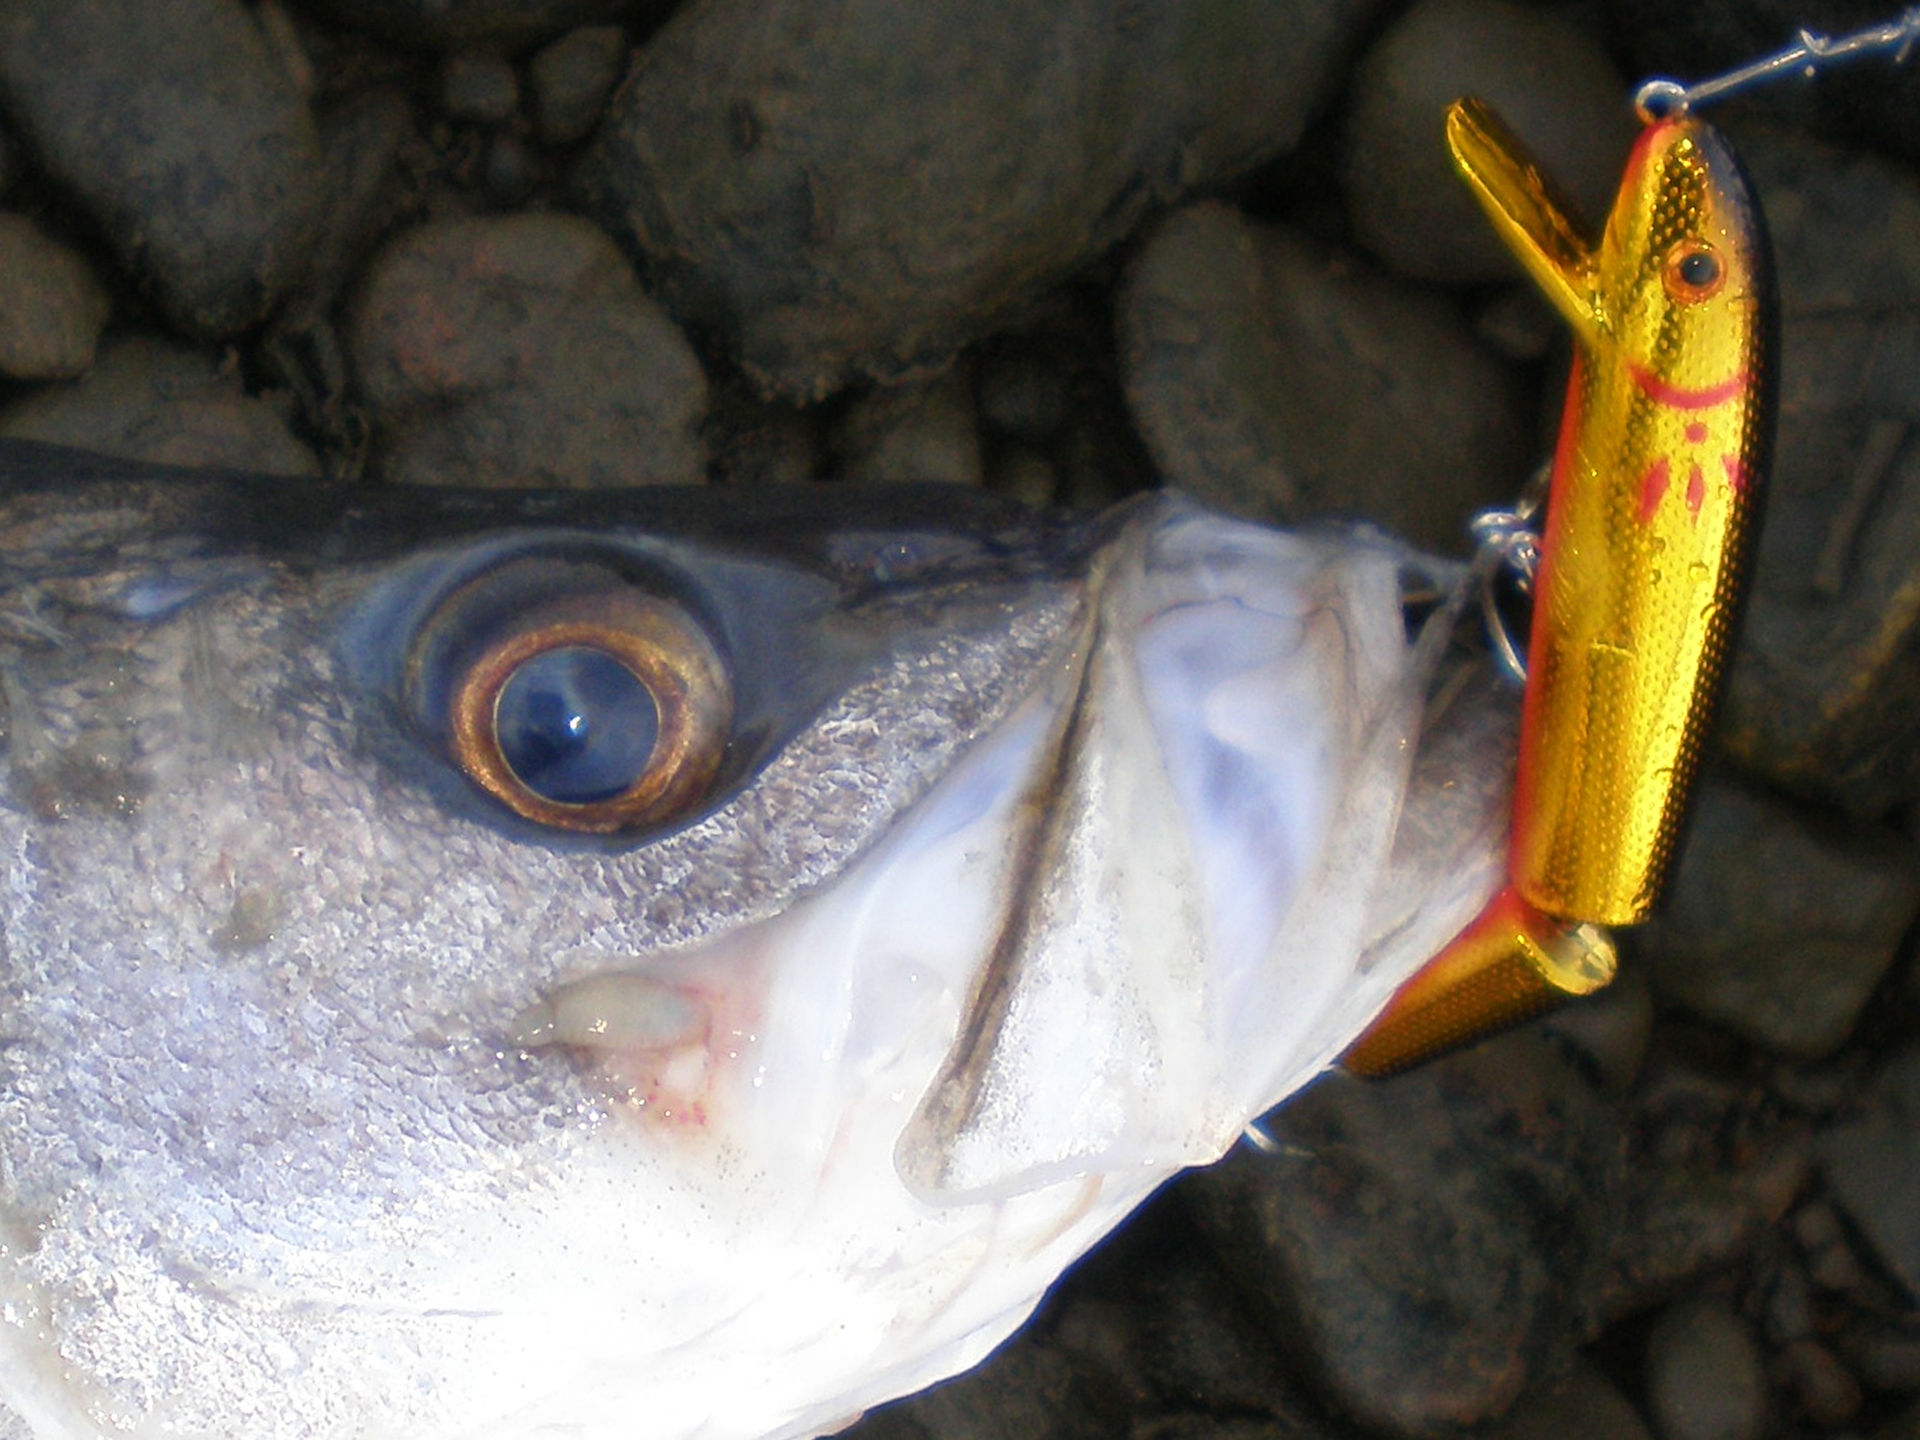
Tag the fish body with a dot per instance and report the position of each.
(342, 1094)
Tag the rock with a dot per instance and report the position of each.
(1872, 1167)
(1416, 1243)
(52, 309)
(1549, 81)
(922, 431)
(1581, 1404)
(1022, 397)
(1904, 1426)
(571, 79)
(502, 26)
(1609, 1030)
(1829, 1396)
(1025, 1392)
(520, 350)
(148, 399)
(762, 442)
(1684, 1216)
(479, 88)
(1281, 384)
(1025, 476)
(849, 188)
(1777, 925)
(1824, 692)
(180, 132)
(1705, 1379)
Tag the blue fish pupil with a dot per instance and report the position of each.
(576, 726)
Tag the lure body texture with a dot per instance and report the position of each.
(1653, 501)
(1651, 511)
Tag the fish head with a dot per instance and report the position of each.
(374, 1062)
(1684, 268)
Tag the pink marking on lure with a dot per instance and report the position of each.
(1696, 490)
(1737, 475)
(1696, 432)
(1681, 398)
(1652, 487)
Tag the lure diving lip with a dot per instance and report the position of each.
(1652, 509)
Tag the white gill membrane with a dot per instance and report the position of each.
(857, 1141)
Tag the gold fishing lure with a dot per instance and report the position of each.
(1651, 512)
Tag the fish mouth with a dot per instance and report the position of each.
(1095, 947)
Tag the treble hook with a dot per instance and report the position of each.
(1663, 99)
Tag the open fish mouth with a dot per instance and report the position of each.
(395, 1045)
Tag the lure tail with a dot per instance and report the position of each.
(1651, 512)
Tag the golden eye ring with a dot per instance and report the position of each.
(665, 654)
(1693, 271)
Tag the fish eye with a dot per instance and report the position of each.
(1693, 271)
(600, 711)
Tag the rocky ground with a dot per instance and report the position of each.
(1066, 249)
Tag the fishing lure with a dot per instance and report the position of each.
(1652, 509)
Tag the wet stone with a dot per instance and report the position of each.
(1778, 925)
(1826, 1390)
(856, 190)
(502, 26)
(761, 442)
(1705, 1378)
(1871, 1164)
(921, 431)
(179, 130)
(571, 79)
(1024, 1392)
(1416, 1244)
(52, 308)
(521, 350)
(479, 88)
(1579, 1404)
(149, 399)
(1277, 382)
(1550, 82)
(1824, 692)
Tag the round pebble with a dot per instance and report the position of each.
(1281, 383)
(149, 399)
(847, 190)
(571, 79)
(1582, 1404)
(181, 132)
(479, 88)
(52, 308)
(921, 431)
(1776, 926)
(1829, 1395)
(1705, 1379)
(1552, 84)
(521, 350)
(1872, 1168)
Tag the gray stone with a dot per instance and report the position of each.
(920, 431)
(571, 79)
(521, 350)
(503, 26)
(1824, 692)
(1705, 1377)
(480, 88)
(52, 308)
(1610, 1030)
(179, 130)
(1579, 1404)
(1416, 1244)
(1872, 1168)
(149, 399)
(1779, 925)
(857, 189)
(1274, 381)
(1551, 83)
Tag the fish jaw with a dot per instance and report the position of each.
(288, 1154)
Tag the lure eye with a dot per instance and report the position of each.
(1693, 272)
(601, 713)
